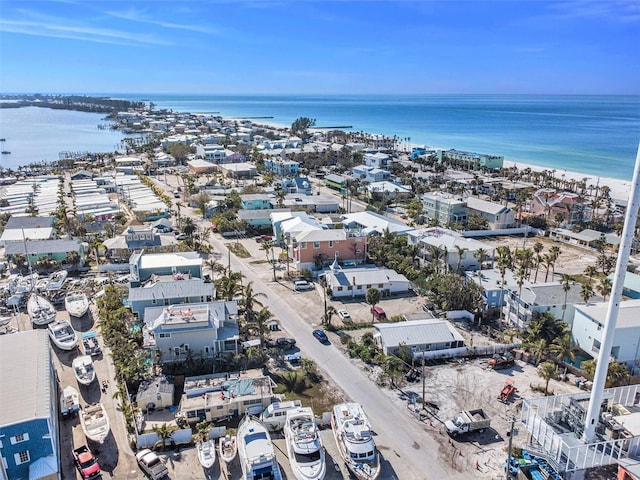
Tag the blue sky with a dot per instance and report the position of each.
(306, 46)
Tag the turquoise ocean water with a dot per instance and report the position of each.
(596, 135)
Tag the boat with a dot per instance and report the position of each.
(90, 343)
(206, 453)
(41, 285)
(304, 447)
(23, 284)
(255, 451)
(228, 448)
(83, 368)
(274, 416)
(95, 422)
(40, 310)
(56, 280)
(6, 152)
(76, 303)
(69, 401)
(352, 433)
(4, 321)
(63, 335)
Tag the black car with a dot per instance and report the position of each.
(321, 336)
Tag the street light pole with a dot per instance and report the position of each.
(508, 466)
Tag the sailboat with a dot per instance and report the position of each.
(40, 310)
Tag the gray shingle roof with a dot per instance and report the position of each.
(38, 247)
(16, 221)
(25, 373)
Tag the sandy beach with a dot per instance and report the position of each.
(620, 189)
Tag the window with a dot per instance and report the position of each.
(164, 335)
(176, 351)
(23, 437)
(330, 243)
(207, 350)
(596, 345)
(21, 457)
(316, 244)
(166, 302)
(380, 285)
(185, 347)
(303, 245)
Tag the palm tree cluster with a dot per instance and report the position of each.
(125, 343)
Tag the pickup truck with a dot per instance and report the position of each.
(282, 342)
(151, 464)
(468, 421)
(86, 463)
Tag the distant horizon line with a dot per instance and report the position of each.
(102, 94)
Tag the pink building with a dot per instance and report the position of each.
(314, 249)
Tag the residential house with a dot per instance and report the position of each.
(355, 281)
(389, 190)
(136, 238)
(451, 245)
(314, 249)
(377, 159)
(199, 165)
(223, 395)
(142, 266)
(497, 216)
(81, 175)
(257, 201)
(522, 304)
(586, 238)
(588, 326)
(444, 209)
(337, 182)
(241, 170)
(212, 153)
(567, 206)
(367, 174)
(157, 391)
(286, 222)
(178, 332)
(495, 292)
(374, 224)
(631, 287)
(418, 335)
(258, 218)
(29, 429)
(312, 203)
(282, 167)
(23, 227)
(57, 250)
(169, 290)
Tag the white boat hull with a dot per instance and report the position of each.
(206, 453)
(304, 447)
(63, 335)
(40, 310)
(95, 422)
(83, 369)
(69, 401)
(76, 304)
(227, 448)
(56, 280)
(255, 451)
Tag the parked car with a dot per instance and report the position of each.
(302, 286)
(282, 342)
(181, 236)
(86, 463)
(378, 313)
(151, 464)
(321, 336)
(344, 315)
(264, 238)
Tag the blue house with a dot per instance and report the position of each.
(169, 291)
(143, 266)
(257, 201)
(29, 433)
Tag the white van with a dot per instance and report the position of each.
(302, 285)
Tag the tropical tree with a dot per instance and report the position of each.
(537, 250)
(262, 318)
(547, 371)
(201, 201)
(586, 292)
(605, 287)
(538, 349)
(164, 432)
(591, 271)
(373, 298)
(393, 368)
(251, 298)
(331, 311)
(481, 255)
(566, 286)
(561, 348)
(460, 251)
(203, 429)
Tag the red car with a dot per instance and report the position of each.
(264, 238)
(87, 463)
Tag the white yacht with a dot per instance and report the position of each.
(83, 368)
(274, 416)
(255, 451)
(63, 335)
(206, 453)
(76, 303)
(352, 432)
(304, 447)
(95, 422)
(56, 280)
(69, 401)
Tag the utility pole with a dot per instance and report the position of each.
(423, 383)
(508, 466)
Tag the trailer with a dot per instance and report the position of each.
(507, 390)
(90, 343)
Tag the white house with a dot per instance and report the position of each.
(354, 282)
(588, 325)
(498, 216)
(419, 335)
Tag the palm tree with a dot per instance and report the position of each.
(538, 349)
(520, 276)
(481, 255)
(504, 263)
(251, 298)
(537, 249)
(586, 292)
(203, 429)
(373, 297)
(555, 253)
(547, 371)
(164, 432)
(561, 348)
(392, 368)
(605, 287)
(262, 319)
(548, 261)
(566, 286)
(460, 250)
(436, 254)
(331, 311)
(591, 271)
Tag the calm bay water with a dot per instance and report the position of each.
(596, 135)
(35, 134)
